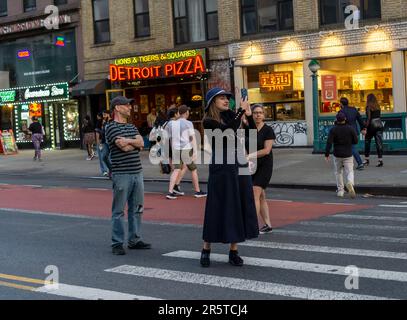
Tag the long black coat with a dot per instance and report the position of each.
(230, 213)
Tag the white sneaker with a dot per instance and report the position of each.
(340, 194)
(351, 190)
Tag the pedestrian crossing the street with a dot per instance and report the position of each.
(287, 264)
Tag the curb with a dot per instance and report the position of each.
(395, 191)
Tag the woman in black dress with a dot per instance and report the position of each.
(264, 168)
(374, 129)
(230, 213)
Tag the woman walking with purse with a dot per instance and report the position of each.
(374, 127)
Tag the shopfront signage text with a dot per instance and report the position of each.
(184, 67)
(31, 25)
(329, 88)
(161, 57)
(7, 96)
(276, 81)
(35, 94)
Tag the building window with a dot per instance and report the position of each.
(141, 18)
(355, 78)
(30, 5)
(259, 16)
(101, 21)
(3, 8)
(333, 11)
(283, 101)
(195, 20)
(60, 2)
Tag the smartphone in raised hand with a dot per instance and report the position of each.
(244, 94)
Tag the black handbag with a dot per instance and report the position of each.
(165, 168)
(376, 124)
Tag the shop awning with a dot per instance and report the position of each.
(89, 87)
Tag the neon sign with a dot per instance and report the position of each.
(23, 54)
(35, 94)
(60, 42)
(7, 96)
(276, 81)
(184, 67)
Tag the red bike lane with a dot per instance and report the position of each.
(184, 210)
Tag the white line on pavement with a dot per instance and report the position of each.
(240, 284)
(363, 217)
(298, 266)
(32, 186)
(326, 249)
(287, 201)
(59, 214)
(339, 204)
(87, 293)
(393, 205)
(98, 189)
(384, 211)
(351, 226)
(339, 236)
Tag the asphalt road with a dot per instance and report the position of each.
(305, 259)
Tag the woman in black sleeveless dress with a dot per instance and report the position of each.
(230, 212)
(264, 168)
(374, 129)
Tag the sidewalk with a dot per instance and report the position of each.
(293, 168)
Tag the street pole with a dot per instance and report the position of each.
(314, 66)
(314, 77)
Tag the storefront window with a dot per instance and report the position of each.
(70, 118)
(280, 89)
(355, 78)
(23, 119)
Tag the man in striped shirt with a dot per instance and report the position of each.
(127, 176)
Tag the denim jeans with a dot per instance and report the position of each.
(356, 154)
(104, 161)
(127, 188)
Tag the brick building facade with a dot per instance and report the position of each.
(364, 57)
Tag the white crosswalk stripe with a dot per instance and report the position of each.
(393, 205)
(340, 236)
(351, 226)
(364, 217)
(326, 249)
(86, 293)
(240, 284)
(298, 266)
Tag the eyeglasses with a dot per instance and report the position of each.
(258, 112)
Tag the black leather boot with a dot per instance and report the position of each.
(234, 258)
(205, 261)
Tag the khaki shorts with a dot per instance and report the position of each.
(181, 157)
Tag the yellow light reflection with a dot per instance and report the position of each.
(332, 46)
(291, 51)
(378, 40)
(253, 54)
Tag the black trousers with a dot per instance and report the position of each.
(378, 137)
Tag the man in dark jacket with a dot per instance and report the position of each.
(353, 116)
(342, 136)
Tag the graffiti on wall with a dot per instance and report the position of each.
(290, 134)
(220, 75)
